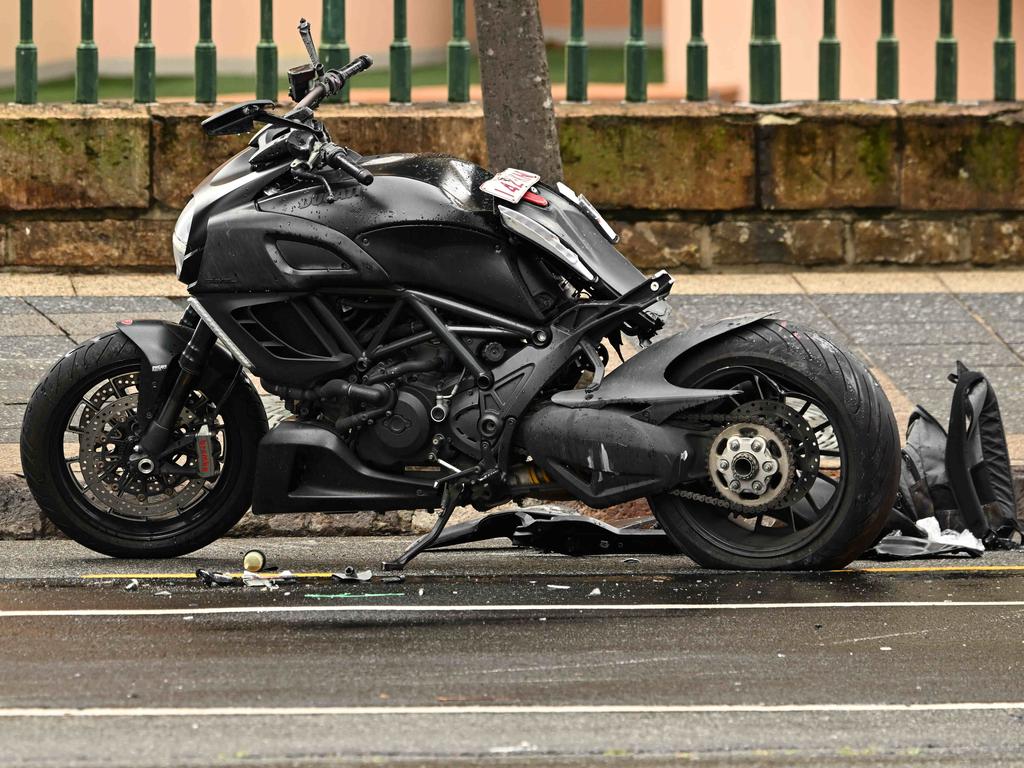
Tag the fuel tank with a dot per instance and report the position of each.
(423, 223)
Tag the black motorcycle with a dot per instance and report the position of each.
(440, 336)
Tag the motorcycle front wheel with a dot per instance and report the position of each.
(819, 420)
(77, 438)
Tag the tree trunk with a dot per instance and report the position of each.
(519, 112)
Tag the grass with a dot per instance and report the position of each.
(606, 66)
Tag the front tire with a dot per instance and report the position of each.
(85, 405)
(781, 368)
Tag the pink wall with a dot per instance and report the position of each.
(727, 31)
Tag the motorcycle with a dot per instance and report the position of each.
(441, 335)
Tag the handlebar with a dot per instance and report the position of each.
(335, 157)
(332, 82)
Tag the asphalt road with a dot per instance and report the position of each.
(500, 656)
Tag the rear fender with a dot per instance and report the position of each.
(161, 343)
(641, 379)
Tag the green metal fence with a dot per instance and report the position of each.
(765, 54)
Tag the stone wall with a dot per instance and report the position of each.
(694, 186)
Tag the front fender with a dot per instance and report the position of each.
(641, 379)
(161, 343)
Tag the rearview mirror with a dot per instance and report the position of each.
(237, 119)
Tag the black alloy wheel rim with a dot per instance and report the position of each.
(777, 532)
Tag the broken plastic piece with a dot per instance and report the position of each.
(351, 574)
(214, 579)
(269, 581)
(162, 593)
(931, 542)
(131, 586)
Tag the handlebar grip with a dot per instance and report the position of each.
(337, 159)
(354, 67)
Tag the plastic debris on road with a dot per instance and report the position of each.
(557, 586)
(351, 574)
(215, 579)
(595, 592)
(131, 586)
(934, 542)
(268, 582)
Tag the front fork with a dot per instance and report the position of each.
(191, 361)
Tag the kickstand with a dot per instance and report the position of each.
(449, 500)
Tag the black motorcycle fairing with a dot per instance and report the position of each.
(576, 230)
(305, 467)
(254, 250)
(161, 343)
(233, 183)
(643, 379)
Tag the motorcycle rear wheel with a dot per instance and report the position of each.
(78, 428)
(852, 476)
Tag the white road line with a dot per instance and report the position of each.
(444, 710)
(526, 608)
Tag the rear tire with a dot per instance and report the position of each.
(861, 420)
(69, 506)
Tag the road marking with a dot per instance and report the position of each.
(504, 709)
(930, 568)
(233, 574)
(525, 608)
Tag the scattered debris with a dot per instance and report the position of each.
(215, 579)
(351, 574)
(162, 593)
(557, 586)
(421, 592)
(254, 561)
(187, 618)
(595, 592)
(131, 586)
(632, 561)
(268, 582)
(929, 542)
(885, 648)
(397, 579)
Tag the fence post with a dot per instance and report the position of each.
(765, 56)
(636, 54)
(334, 50)
(26, 60)
(206, 56)
(458, 55)
(145, 56)
(829, 56)
(945, 55)
(401, 57)
(87, 60)
(697, 55)
(1006, 55)
(887, 77)
(576, 56)
(266, 54)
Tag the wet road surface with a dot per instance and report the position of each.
(495, 653)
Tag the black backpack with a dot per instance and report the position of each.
(961, 477)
